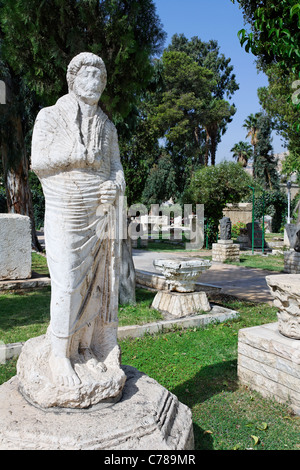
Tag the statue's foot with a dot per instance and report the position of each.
(62, 372)
(91, 361)
(113, 359)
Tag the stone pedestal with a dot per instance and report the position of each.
(177, 305)
(15, 246)
(292, 262)
(148, 417)
(225, 250)
(269, 363)
(269, 355)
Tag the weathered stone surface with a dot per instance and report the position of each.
(181, 304)
(181, 275)
(292, 262)
(96, 384)
(158, 282)
(147, 417)
(75, 154)
(297, 243)
(225, 228)
(285, 289)
(241, 212)
(225, 251)
(243, 241)
(258, 236)
(290, 231)
(15, 247)
(127, 275)
(35, 282)
(270, 364)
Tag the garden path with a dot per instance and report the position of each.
(244, 283)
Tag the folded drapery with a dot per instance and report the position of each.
(83, 249)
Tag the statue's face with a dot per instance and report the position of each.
(88, 85)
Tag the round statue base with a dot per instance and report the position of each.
(147, 417)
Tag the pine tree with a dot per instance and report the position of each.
(161, 183)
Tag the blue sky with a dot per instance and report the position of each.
(220, 20)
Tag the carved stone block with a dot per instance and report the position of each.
(269, 363)
(181, 275)
(285, 289)
(15, 247)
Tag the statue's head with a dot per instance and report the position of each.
(86, 77)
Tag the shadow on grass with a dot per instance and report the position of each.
(24, 308)
(209, 381)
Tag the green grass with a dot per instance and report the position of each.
(26, 314)
(164, 245)
(139, 313)
(266, 262)
(198, 365)
(39, 264)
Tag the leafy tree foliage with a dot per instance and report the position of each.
(161, 183)
(180, 110)
(139, 148)
(275, 33)
(218, 112)
(276, 100)
(251, 124)
(272, 203)
(40, 39)
(16, 118)
(207, 55)
(216, 186)
(265, 165)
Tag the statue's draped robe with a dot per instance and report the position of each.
(81, 234)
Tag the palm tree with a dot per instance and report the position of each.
(242, 152)
(251, 124)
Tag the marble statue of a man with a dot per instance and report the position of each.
(76, 157)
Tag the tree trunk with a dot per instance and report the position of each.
(18, 194)
(207, 141)
(214, 143)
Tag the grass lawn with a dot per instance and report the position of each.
(198, 365)
(24, 315)
(164, 245)
(267, 262)
(39, 264)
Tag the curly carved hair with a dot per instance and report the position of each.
(85, 59)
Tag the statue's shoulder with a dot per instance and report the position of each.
(46, 112)
(50, 114)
